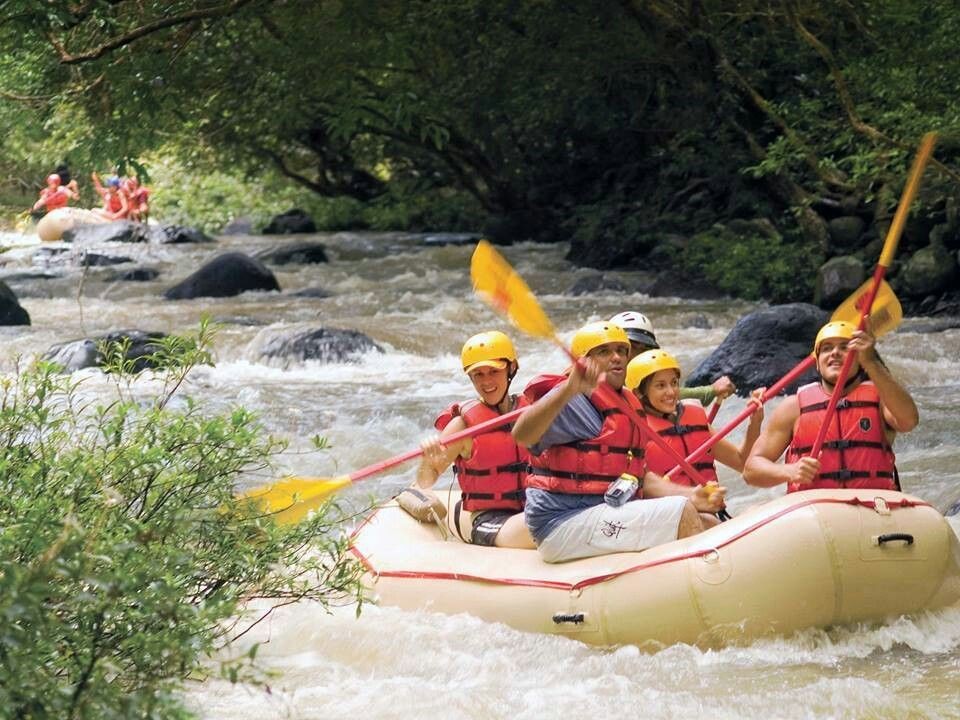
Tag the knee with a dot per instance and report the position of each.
(690, 523)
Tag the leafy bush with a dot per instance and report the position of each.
(125, 558)
(753, 267)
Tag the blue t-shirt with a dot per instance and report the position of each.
(545, 510)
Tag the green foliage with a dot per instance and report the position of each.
(753, 267)
(125, 558)
(412, 114)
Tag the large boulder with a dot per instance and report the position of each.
(291, 222)
(117, 231)
(763, 347)
(11, 313)
(78, 354)
(225, 276)
(845, 231)
(324, 344)
(182, 234)
(836, 279)
(929, 271)
(90, 259)
(298, 253)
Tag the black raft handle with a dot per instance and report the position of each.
(575, 618)
(893, 537)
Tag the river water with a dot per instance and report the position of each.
(416, 302)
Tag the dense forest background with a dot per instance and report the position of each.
(739, 144)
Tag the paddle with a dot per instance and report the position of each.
(714, 410)
(505, 291)
(886, 257)
(290, 499)
(888, 313)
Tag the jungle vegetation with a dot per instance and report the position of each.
(614, 124)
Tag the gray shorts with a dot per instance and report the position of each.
(603, 529)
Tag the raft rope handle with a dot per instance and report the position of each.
(893, 537)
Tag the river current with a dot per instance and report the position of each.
(416, 302)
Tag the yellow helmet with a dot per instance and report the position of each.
(836, 329)
(487, 349)
(646, 364)
(593, 335)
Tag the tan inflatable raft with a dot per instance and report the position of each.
(56, 222)
(810, 559)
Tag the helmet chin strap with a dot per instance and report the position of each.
(858, 376)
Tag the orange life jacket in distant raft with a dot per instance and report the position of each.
(53, 199)
(492, 477)
(587, 467)
(856, 453)
(114, 203)
(690, 430)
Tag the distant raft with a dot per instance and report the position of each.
(55, 223)
(810, 559)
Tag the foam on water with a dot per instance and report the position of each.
(393, 664)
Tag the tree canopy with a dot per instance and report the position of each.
(555, 117)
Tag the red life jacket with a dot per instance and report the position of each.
(114, 204)
(492, 477)
(53, 199)
(587, 467)
(689, 432)
(856, 453)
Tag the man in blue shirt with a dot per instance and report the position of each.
(581, 441)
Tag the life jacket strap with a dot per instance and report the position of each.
(581, 477)
(844, 475)
(605, 449)
(516, 495)
(845, 444)
(675, 430)
(843, 404)
(516, 467)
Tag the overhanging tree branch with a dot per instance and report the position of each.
(68, 58)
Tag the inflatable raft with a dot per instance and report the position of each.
(809, 559)
(56, 222)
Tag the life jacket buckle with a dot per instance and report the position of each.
(880, 506)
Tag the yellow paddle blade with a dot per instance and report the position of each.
(505, 291)
(291, 499)
(885, 314)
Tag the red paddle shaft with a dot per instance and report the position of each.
(477, 429)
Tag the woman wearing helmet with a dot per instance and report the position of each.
(581, 443)
(857, 450)
(491, 467)
(654, 376)
(642, 338)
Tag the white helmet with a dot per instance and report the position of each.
(638, 328)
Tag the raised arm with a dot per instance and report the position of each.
(534, 423)
(899, 410)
